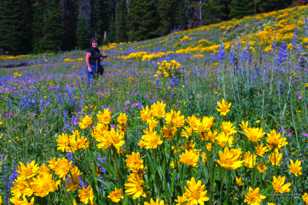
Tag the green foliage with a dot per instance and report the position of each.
(183, 13)
(15, 26)
(83, 34)
(215, 11)
(143, 19)
(48, 27)
(240, 8)
(69, 20)
(121, 21)
(166, 13)
(270, 5)
(102, 18)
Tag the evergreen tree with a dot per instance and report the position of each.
(15, 26)
(166, 15)
(69, 20)
(47, 26)
(240, 8)
(143, 19)
(270, 5)
(101, 17)
(183, 14)
(215, 11)
(83, 32)
(121, 21)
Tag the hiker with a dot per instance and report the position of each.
(93, 60)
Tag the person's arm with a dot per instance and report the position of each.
(102, 55)
(88, 55)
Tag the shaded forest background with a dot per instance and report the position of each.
(54, 25)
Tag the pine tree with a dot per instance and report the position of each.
(143, 19)
(270, 5)
(240, 8)
(183, 14)
(101, 17)
(83, 32)
(47, 26)
(69, 19)
(215, 11)
(15, 26)
(121, 21)
(167, 15)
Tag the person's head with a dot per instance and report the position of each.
(93, 42)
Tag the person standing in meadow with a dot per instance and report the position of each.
(93, 60)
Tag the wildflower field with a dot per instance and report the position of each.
(212, 115)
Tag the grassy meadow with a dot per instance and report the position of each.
(213, 115)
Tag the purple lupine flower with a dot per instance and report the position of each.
(74, 121)
(82, 183)
(221, 53)
(9, 184)
(282, 54)
(306, 27)
(305, 134)
(41, 105)
(100, 166)
(137, 105)
(294, 39)
(69, 156)
(174, 81)
(232, 57)
(158, 83)
(299, 95)
(245, 55)
(65, 119)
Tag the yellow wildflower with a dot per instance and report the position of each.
(295, 167)
(249, 160)
(134, 162)
(158, 109)
(275, 158)
(230, 158)
(190, 158)
(86, 195)
(116, 195)
(156, 202)
(239, 181)
(228, 128)
(279, 184)
(223, 107)
(150, 140)
(122, 119)
(275, 140)
(85, 122)
(27, 171)
(305, 198)
(60, 166)
(261, 167)
(195, 192)
(254, 134)
(104, 116)
(134, 186)
(261, 150)
(253, 196)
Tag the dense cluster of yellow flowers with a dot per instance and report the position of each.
(71, 142)
(7, 57)
(194, 141)
(17, 74)
(109, 46)
(185, 38)
(167, 69)
(72, 60)
(146, 56)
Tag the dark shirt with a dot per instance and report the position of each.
(95, 55)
